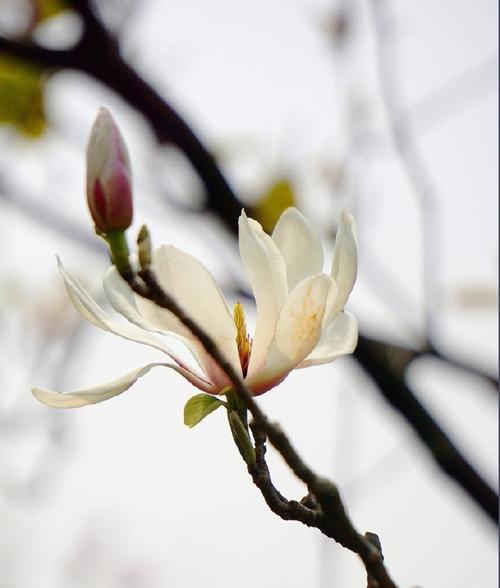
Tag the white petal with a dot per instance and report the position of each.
(195, 290)
(339, 338)
(266, 273)
(91, 311)
(331, 308)
(345, 260)
(125, 302)
(83, 302)
(297, 331)
(102, 392)
(299, 245)
(123, 299)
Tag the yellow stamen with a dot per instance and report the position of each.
(243, 340)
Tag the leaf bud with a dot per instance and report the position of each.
(144, 247)
(241, 437)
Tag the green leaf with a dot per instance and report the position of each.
(276, 199)
(45, 9)
(198, 407)
(21, 96)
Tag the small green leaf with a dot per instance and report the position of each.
(198, 407)
(45, 9)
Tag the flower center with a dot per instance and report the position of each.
(243, 340)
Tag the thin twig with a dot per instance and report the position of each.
(453, 96)
(49, 217)
(407, 150)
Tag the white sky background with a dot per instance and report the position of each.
(132, 498)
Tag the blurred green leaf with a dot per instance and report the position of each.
(277, 198)
(198, 407)
(21, 96)
(45, 9)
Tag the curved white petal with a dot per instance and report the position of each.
(345, 260)
(195, 290)
(339, 338)
(83, 302)
(297, 331)
(299, 245)
(105, 391)
(331, 308)
(266, 272)
(122, 299)
(91, 311)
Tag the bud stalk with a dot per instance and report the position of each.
(118, 248)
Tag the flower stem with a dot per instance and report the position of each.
(118, 248)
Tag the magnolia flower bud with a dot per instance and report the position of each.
(109, 191)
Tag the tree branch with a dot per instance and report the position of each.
(372, 356)
(46, 58)
(331, 517)
(285, 509)
(464, 366)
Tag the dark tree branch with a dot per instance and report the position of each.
(373, 357)
(285, 509)
(331, 517)
(308, 511)
(46, 58)
(464, 366)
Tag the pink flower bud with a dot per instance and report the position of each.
(109, 190)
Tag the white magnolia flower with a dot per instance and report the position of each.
(300, 316)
